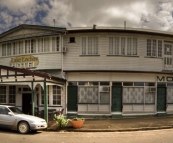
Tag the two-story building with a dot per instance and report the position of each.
(92, 71)
(118, 72)
(31, 74)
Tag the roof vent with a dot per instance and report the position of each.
(94, 26)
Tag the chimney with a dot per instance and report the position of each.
(94, 26)
(125, 25)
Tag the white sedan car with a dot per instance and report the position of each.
(13, 118)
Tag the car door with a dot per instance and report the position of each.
(6, 121)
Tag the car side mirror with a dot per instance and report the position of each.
(9, 113)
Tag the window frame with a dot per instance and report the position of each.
(94, 45)
(120, 45)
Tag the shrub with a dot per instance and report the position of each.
(61, 120)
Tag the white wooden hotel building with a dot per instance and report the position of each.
(93, 71)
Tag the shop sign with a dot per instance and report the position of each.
(165, 78)
(28, 61)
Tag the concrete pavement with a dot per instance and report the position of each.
(119, 124)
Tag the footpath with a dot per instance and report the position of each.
(119, 124)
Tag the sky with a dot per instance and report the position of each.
(146, 14)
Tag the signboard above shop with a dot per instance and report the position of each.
(27, 61)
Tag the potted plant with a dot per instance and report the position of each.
(77, 122)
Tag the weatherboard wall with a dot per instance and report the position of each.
(74, 60)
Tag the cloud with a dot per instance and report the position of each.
(150, 14)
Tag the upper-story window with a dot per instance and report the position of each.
(90, 46)
(44, 44)
(72, 40)
(122, 46)
(55, 44)
(154, 48)
(30, 46)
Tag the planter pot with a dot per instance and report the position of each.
(77, 124)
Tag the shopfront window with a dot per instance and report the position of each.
(56, 95)
(88, 95)
(12, 94)
(2, 94)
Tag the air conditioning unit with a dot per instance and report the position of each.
(104, 89)
(64, 49)
(152, 89)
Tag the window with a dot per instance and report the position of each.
(8, 49)
(168, 49)
(4, 50)
(40, 45)
(55, 44)
(56, 95)
(15, 48)
(154, 48)
(89, 45)
(2, 94)
(104, 97)
(133, 95)
(87, 94)
(42, 95)
(12, 93)
(30, 46)
(20, 47)
(118, 46)
(46, 44)
(72, 39)
(159, 48)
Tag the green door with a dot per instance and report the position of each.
(161, 99)
(116, 98)
(72, 98)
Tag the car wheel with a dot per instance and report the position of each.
(23, 127)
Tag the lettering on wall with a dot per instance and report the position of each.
(165, 78)
(24, 62)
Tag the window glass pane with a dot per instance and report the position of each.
(83, 45)
(72, 83)
(95, 45)
(134, 46)
(122, 46)
(169, 84)
(133, 95)
(89, 45)
(93, 83)
(87, 94)
(138, 83)
(159, 48)
(110, 45)
(117, 83)
(154, 48)
(83, 83)
(149, 84)
(105, 97)
(161, 84)
(129, 46)
(104, 83)
(8, 49)
(148, 47)
(56, 95)
(116, 45)
(72, 39)
(2, 94)
(127, 83)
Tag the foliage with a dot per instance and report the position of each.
(61, 120)
(77, 119)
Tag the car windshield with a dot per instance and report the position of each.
(15, 110)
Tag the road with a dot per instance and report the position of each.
(155, 136)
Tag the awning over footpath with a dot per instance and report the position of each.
(17, 76)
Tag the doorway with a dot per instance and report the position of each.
(26, 103)
(161, 99)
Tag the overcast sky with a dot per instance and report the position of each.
(149, 14)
